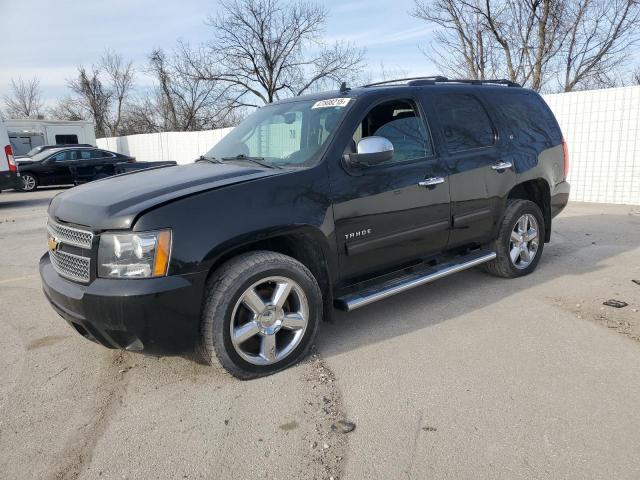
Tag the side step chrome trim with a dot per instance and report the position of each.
(397, 285)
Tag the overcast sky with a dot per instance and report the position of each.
(50, 38)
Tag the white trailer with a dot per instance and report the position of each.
(27, 134)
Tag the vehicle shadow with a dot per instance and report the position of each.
(571, 253)
(41, 197)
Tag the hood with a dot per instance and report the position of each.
(116, 202)
(24, 161)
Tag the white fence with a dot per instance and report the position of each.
(183, 147)
(602, 129)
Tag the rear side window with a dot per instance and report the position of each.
(529, 117)
(464, 121)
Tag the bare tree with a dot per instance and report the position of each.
(268, 49)
(600, 33)
(552, 44)
(121, 76)
(68, 108)
(101, 94)
(182, 102)
(464, 48)
(635, 77)
(25, 99)
(93, 97)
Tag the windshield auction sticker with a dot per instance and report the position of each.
(332, 102)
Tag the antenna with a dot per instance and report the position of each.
(344, 88)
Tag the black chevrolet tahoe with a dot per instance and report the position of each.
(334, 200)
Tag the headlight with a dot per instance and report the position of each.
(134, 255)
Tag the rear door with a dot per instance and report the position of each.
(470, 138)
(87, 166)
(104, 163)
(384, 215)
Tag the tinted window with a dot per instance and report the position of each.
(101, 154)
(61, 157)
(66, 139)
(464, 121)
(529, 117)
(399, 122)
(85, 154)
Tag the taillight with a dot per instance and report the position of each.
(12, 163)
(565, 153)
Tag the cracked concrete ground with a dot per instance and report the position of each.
(471, 377)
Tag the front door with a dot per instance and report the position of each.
(386, 215)
(57, 170)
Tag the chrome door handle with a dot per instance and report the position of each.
(502, 165)
(431, 182)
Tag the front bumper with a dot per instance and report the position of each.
(159, 316)
(9, 180)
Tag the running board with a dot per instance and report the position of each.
(406, 282)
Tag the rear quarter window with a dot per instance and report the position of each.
(528, 117)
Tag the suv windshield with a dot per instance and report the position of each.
(288, 134)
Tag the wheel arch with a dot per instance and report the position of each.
(539, 192)
(306, 244)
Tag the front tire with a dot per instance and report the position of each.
(29, 182)
(520, 240)
(261, 314)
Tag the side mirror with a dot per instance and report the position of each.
(371, 151)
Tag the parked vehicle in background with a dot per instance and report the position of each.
(25, 135)
(42, 148)
(68, 166)
(334, 199)
(8, 171)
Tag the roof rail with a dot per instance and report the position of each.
(420, 81)
(407, 80)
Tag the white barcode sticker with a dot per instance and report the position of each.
(332, 102)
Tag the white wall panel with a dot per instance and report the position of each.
(602, 129)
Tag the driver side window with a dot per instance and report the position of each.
(399, 122)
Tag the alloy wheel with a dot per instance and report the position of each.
(269, 320)
(28, 183)
(524, 241)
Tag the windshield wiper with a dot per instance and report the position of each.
(202, 158)
(256, 160)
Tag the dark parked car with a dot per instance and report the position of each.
(336, 199)
(68, 166)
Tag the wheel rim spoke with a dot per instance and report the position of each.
(523, 225)
(532, 233)
(245, 332)
(293, 321)
(514, 254)
(268, 348)
(281, 293)
(516, 237)
(253, 301)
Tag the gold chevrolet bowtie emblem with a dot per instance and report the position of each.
(53, 244)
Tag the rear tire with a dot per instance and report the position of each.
(29, 182)
(520, 240)
(261, 314)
